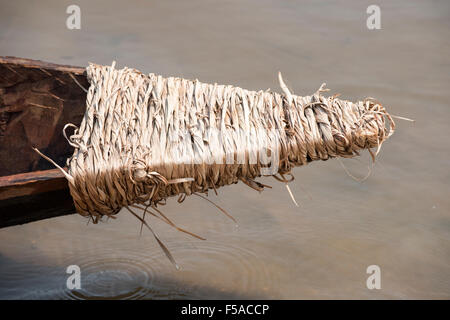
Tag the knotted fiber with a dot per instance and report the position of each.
(145, 138)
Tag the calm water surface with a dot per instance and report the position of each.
(398, 219)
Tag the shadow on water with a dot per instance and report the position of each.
(103, 279)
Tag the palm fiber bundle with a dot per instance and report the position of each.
(145, 138)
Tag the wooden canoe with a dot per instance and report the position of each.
(36, 100)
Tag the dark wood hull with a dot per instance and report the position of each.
(36, 100)
(41, 195)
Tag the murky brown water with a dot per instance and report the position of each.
(398, 219)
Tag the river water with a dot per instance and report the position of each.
(398, 219)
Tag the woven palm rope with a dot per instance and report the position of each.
(145, 138)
